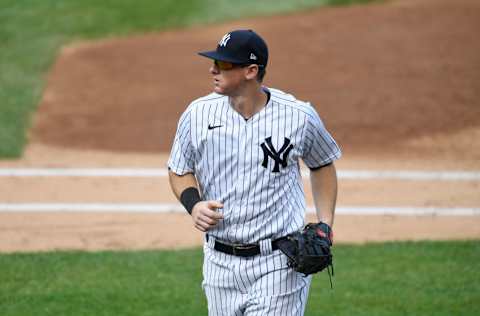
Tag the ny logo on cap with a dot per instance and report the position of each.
(224, 40)
(252, 56)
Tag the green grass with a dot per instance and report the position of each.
(31, 32)
(424, 278)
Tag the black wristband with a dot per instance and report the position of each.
(190, 197)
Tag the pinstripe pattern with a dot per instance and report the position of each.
(256, 286)
(227, 162)
(252, 167)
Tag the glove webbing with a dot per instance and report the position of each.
(330, 270)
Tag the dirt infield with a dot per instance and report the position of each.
(398, 85)
(398, 79)
(84, 231)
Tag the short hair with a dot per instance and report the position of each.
(261, 73)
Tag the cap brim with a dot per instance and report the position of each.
(217, 56)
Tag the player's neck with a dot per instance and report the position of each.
(250, 101)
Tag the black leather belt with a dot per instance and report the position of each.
(242, 250)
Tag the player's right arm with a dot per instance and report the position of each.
(204, 214)
(181, 166)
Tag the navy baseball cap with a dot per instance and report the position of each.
(240, 47)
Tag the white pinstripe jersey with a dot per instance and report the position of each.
(252, 166)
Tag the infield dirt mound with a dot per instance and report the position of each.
(399, 79)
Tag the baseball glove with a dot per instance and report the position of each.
(308, 251)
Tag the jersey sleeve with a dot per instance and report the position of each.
(320, 148)
(181, 159)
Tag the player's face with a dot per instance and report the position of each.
(227, 77)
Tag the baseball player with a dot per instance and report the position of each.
(234, 165)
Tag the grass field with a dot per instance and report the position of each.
(405, 278)
(31, 32)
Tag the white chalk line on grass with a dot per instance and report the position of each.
(175, 208)
(159, 172)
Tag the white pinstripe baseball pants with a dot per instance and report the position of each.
(260, 285)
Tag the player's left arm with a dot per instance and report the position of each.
(309, 251)
(324, 189)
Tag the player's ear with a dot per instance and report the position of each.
(251, 72)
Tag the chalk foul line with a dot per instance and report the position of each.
(176, 208)
(162, 172)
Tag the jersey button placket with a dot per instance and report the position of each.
(239, 186)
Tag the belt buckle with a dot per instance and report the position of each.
(236, 248)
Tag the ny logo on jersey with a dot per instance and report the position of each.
(224, 40)
(279, 157)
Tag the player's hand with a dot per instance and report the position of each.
(205, 216)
